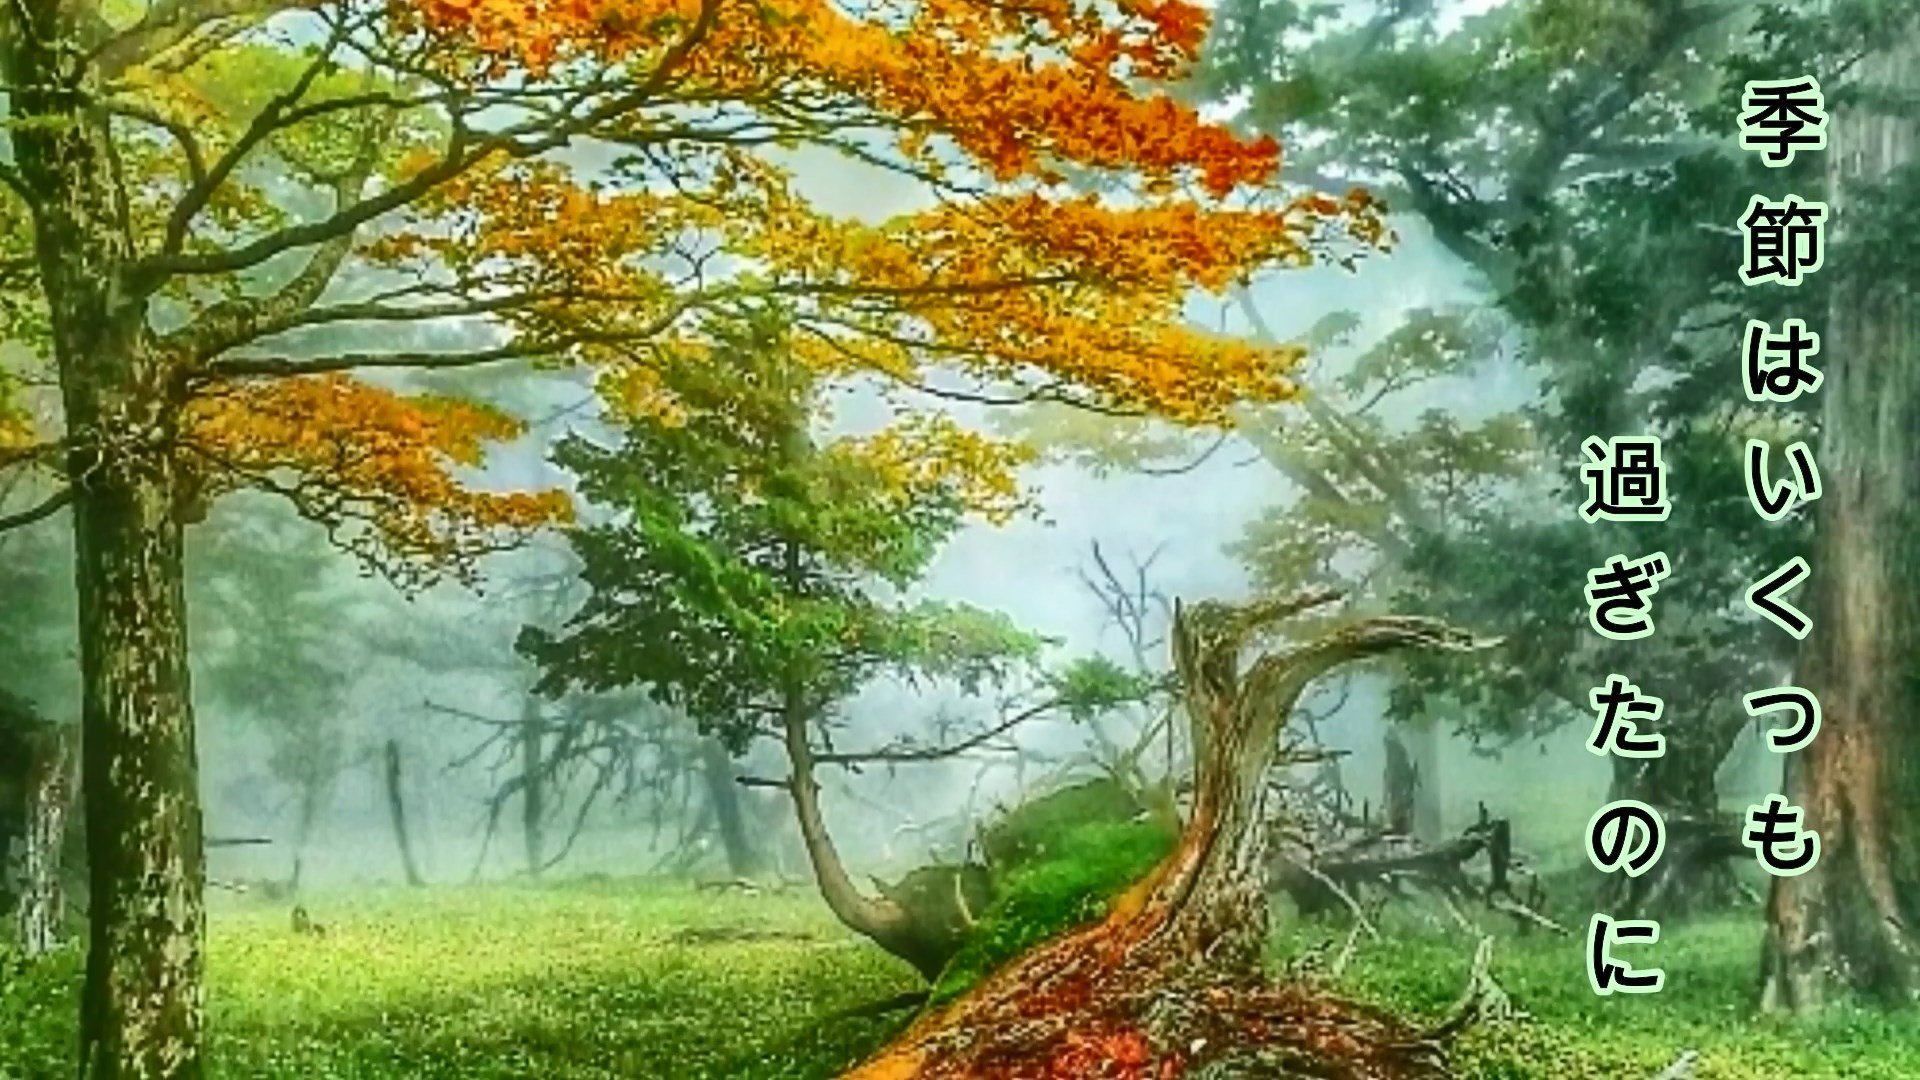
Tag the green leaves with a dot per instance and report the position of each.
(741, 567)
(1093, 685)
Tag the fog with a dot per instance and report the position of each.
(885, 820)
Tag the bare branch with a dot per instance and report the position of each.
(905, 753)
(463, 152)
(179, 131)
(169, 24)
(273, 117)
(52, 505)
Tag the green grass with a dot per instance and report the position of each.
(1572, 1034)
(620, 979)
(608, 980)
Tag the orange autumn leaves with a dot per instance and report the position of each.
(1008, 281)
(377, 467)
(1015, 86)
(1071, 296)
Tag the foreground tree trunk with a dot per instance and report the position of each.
(141, 1014)
(1848, 926)
(49, 794)
(1171, 979)
(141, 1006)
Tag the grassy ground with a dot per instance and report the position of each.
(618, 979)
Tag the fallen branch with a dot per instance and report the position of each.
(1481, 1000)
(1681, 1069)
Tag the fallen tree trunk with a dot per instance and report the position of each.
(1364, 863)
(1171, 982)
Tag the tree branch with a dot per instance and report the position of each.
(904, 753)
(46, 509)
(463, 152)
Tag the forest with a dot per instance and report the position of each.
(928, 539)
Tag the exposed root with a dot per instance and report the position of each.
(1095, 1007)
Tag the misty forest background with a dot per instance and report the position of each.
(542, 822)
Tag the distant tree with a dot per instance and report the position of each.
(1363, 492)
(277, 642)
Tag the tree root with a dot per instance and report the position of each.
(1482, 1001)
(1090, 1013)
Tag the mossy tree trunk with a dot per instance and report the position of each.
(1847, 927)
(121, 397)
(1171, 979)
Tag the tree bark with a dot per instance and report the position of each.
(397, 813)
(1171, 979)
(141, 1005)
(723, 794)
(1847, 926)
(49, 794)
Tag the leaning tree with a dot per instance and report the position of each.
(1172, 978)
(749, 570)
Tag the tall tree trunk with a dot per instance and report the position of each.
(313, 792)
(397, 813)
(141, 1014)
(141, 1006)
(1170, 982)
(533, 786)
(49, 794)
(744, 857)
(1849, 924)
